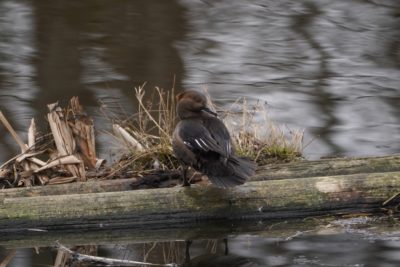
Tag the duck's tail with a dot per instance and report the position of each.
(235, 171)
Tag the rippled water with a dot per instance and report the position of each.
(355, 243)
(331, 68)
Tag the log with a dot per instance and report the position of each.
(338, 166)
(326, 167)
(258, 200)
(65, 189)
(37, 216)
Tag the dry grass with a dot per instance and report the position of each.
(254, 135)
(152, 126)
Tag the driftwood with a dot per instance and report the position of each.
(326, 167)
(271, 199)
(300, 169)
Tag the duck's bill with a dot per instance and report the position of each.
(210, 111)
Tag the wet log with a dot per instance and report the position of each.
(300, 169)
(68, 189)
(326, 167)
(258, 200)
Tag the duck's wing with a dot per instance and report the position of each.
(198, 138)
(220, 134)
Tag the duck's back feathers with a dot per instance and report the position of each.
(210, 152)
(197, 138)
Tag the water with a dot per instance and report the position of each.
(356, 242)
(331, 68)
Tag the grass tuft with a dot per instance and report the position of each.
(256, 136)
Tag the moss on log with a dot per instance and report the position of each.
(327, 167)
(69, 188)
(144, 209)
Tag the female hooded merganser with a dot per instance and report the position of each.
(202, 141)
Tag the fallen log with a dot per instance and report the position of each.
(143, 209)
(71, 188)
(326, 167)
(299, 169)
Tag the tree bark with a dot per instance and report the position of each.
(271, 199)
(326, 167)
(300, 169)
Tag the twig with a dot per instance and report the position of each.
(139, 96)
(14, 134)
(64, 160)
(298, 233)
(32, 134)
(84, 257)
(390, 199)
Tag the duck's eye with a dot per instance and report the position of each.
(198, 99)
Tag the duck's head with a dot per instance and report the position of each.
(191, 104)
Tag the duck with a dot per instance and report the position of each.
(202, 141)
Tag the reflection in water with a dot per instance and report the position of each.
(17, 73)
(323, 99)
(319, 249)
(329, 67)
(217, 259)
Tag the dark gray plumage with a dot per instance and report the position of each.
(202, 141)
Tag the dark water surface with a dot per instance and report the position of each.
(356, 242)
(331, 68)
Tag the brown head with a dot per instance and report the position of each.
(192, 104)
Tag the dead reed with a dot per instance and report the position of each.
(149, 132)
